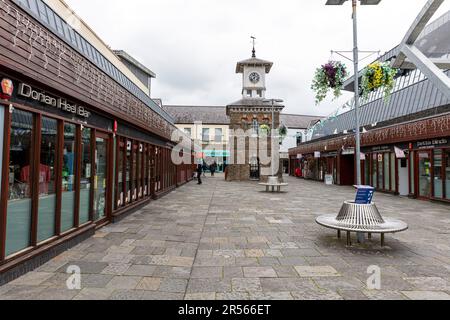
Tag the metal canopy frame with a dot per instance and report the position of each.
(431, 68)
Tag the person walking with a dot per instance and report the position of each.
(213, 168)
(204, 168)
(199, 173)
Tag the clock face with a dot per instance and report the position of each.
(254, 77)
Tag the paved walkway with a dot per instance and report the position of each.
(230, 241)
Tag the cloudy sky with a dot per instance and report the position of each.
(193, 45)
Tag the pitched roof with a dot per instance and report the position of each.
(253, 102)
(217, 115)
(299, 121)
(255, 62)
(205, 114)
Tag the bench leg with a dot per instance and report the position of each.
(339, 234)
(273, 189)
(349, 239)
(382, 240)
(279, 189)
(267, 188)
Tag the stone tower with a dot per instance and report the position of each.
(252, 115)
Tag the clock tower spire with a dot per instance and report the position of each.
(254, 72)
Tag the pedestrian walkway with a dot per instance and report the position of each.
(227, 240)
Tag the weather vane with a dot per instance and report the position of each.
(254, 42)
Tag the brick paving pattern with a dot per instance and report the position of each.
(231, 241)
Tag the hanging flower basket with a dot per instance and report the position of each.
(283, 131)
(330, 76)
(264, 129)
(378, 76)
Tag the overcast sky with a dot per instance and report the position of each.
(193, 45)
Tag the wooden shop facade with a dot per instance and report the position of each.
(82, 145)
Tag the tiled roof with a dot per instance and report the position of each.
(217, 115)
(205, 114)
(299, 121)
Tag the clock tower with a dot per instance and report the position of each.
(251, 143)
(254, 72)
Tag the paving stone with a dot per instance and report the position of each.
(96, 280)
(207, 272)
(233, 272)
(140, 270)
(23, 293)
(352, 295)
(316, 271)
(86, 267)
(429, 283)
(259, 272)
(206, 296)
(246, 285)
(57, 294)
(116, 269)
(89, 294)
(384, 295)
(124, 282)
(316, 294)
(32, 279)
(232, 296)
(173, 285)
(208, 285)
(427, 295)
(270, 296)
(286, 284)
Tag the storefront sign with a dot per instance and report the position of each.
(348, 152)
(29, 92)
(329, 179)
(399, 153)
(431, 143)
(7, 89)
(299, 156)
(317, 154)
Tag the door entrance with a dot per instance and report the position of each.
(255, 169)
(100, 209)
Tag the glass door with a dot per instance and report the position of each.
(438, 178)
(101, 177)
(424, 167)
(447, 173)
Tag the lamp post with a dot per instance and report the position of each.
(356, 81)
(273, 101)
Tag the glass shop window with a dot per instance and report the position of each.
(86, 174)
(438, 178)
(128, 173)
(68, 178)
(18, 227)
(447, 174)
(120, 173)
(46, 176)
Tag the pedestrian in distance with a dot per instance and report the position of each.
(199, 173)
(213, 168)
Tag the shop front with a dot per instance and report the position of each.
(430, 169)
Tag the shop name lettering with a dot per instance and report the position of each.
(432, 143)
(28, 92)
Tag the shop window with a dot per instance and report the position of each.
(380, 171)
(438, 178)
(447, 174)
(128, 172)
(374, 169)
(387, 172)
(424, 174)
(367, 171)
(46, 176)
(205, 135)
(100, 179)
(140, 162)
(18, 227)
(134, 172)
(412, 171)
(120, 174)
(68, 178)
(218, 135)
(393, 173)
(86, 173)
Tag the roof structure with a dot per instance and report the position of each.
(205, 114)
(296, 121)
(217, 115)
(124, 55)
(254, 62)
